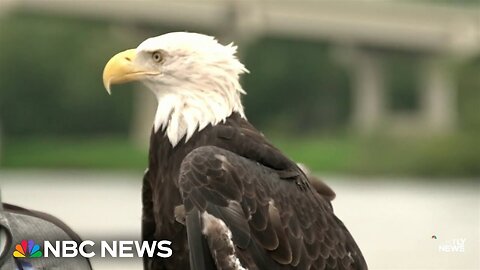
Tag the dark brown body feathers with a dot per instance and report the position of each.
(276, 217)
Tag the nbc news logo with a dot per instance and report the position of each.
(27, 249)
(114, 249)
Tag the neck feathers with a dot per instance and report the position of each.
(182, 112)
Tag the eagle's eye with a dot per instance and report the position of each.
(157, 57)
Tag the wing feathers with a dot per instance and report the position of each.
(200, 257)
(273, 223)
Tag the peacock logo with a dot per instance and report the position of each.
(27, 249)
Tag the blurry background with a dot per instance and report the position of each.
(381, 98)
(370, 87)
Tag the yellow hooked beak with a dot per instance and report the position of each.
(121, 68)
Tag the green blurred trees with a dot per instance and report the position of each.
(469, 96)
(50, 78)
(295, 86)
(50, 82)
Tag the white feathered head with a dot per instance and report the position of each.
(193, 76)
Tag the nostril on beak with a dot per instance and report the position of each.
(128, 59)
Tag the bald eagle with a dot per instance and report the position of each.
(215, 187)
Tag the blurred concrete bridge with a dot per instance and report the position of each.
(360, 32)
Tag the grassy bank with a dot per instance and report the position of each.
(70, 153)
(457, 156)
